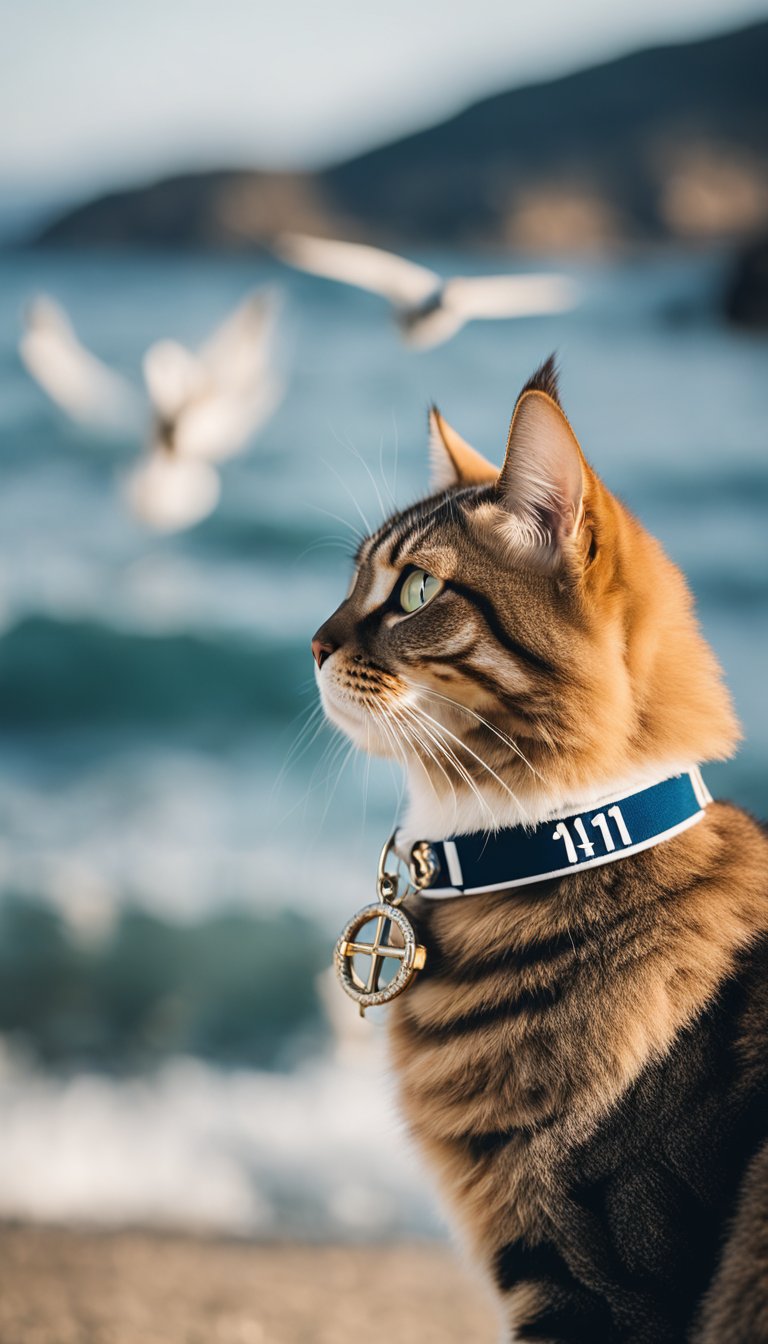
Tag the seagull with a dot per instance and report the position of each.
(197, 408)
(428, 309)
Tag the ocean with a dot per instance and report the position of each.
(180, 836)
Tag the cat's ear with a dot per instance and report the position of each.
(544, 477)
(452, 461)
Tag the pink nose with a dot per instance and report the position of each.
(321, 651)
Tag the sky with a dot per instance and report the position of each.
(94, 93)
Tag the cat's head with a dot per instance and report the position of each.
(517, 638)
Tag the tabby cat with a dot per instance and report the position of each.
(583, 1060)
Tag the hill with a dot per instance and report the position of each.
(665, 143)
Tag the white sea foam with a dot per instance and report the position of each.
(319, 1152)
(183, 834)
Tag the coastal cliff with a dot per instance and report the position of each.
(665, 144)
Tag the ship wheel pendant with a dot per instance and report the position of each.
(393, 940)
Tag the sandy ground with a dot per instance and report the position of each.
(71, 1287)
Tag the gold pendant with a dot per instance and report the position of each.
(411, 955)
(386, 913)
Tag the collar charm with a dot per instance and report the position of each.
(393, 941)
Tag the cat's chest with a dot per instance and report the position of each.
(506, 1063)
(498, 1044)
(484, 1100)
(487, 1060)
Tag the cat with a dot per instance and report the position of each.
(583, 1059)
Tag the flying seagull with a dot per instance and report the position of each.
(196, 408)
(427, 308)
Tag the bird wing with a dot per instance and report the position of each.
(403, 282)
(238, 354)
(168, 493)
(215, 428)
(72, 377)
(490, 296)
(173, 376)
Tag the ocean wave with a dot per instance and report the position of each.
(65, 672)
(744, 485)
(123, 993)
(719, 590)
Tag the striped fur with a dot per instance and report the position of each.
(583, 1062)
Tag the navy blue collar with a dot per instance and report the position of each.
(466, 865)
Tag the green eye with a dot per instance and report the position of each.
(419, 589)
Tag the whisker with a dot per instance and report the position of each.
(300, 745)
(460, 769)
(502, 736)
(367, 775)
(416, 735)
(426, 747)
(332, 794)
(380, 714)
(411, 736)
(466, 777)
(347, 443)
(397, 735)
(346, 488)
(315, 784)
(400, 730)
(474, 755)
(393, 491)
(382, 473)
(339, 742)
(356, 532)
(325, 543)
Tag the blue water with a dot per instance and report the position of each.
(170, 878)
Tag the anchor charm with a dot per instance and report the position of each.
(387, 915)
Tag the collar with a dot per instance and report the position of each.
(468, 865)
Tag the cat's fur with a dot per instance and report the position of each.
(583, 1061)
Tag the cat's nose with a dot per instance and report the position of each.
(322, 649)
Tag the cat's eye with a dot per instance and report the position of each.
(419, 589)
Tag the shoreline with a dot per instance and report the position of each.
(70, 1285)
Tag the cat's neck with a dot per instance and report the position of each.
(429, 816)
